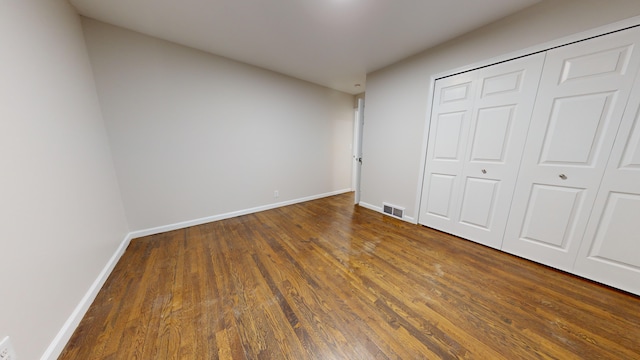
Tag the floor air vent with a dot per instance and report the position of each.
(393, 210)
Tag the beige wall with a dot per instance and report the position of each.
(195, 135)
(61, 217)
(396, 98)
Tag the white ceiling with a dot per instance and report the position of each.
(334, 43)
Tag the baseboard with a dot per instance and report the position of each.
(408, 219)
(370, 207)
(208, 219)
(60, 341)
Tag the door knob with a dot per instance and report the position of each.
(563, 176)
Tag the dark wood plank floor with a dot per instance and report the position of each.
(327, 280)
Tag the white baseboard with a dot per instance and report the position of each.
(208, 219)
(60, 341)
(408, 219)
(370, 207)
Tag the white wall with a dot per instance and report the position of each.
(397, 96)
(61, 217)
(196, 135)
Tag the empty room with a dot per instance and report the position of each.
(335, 179)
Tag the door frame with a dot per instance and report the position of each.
(356, 156)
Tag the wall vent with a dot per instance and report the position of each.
(393, 210)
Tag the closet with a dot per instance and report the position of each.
(540, 157)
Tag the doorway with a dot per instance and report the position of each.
(358, 124)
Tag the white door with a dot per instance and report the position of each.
(581, 99)
(500, 120)
(448, 133)
(357, 149)
(610, 251)
(478, 129)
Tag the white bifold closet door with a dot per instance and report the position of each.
(478, 128)
(610, 251)
(582, 96)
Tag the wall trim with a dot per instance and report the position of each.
(62, 338)
(208, 219)
(370, 207)
(365, 205)
(410, 219)
(545, 46)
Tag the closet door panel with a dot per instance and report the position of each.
(575, 129)
(498, 130)
(440, 192)
(552, 228)
(448, 133)
(581, 99)
(610, 251)
(618, 223)
(492, 134)
(478, 203)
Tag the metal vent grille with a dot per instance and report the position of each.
(393, 210)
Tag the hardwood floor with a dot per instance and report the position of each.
(327, 280)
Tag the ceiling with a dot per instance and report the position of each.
(333, 43)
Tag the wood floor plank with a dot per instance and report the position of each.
(328, 280)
